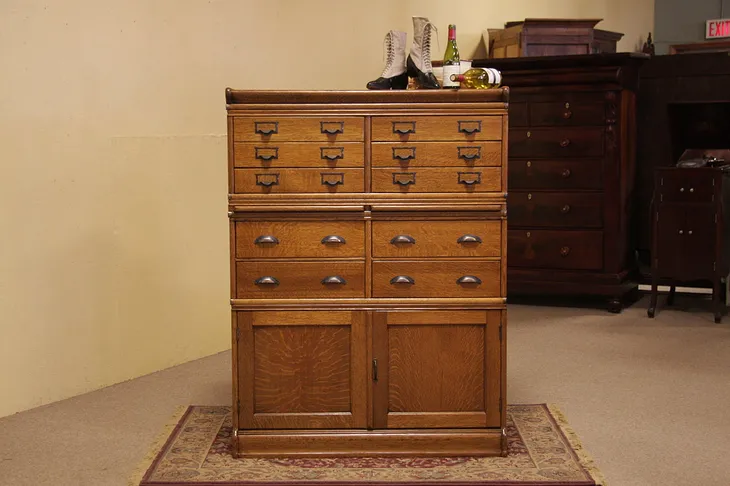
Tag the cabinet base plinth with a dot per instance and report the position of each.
(370, 443)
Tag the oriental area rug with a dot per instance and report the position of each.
(543, 451)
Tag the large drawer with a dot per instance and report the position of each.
(434, 128)
(300, 239)
(300, 280)
(440, 154)
(559, 249)
(298, 129)
(299, 154)
(566, 113)
(270, 181)
(450, 279)
(430, 179)
(556, 174)
(555, 209)
(555, 142)
(408, 239)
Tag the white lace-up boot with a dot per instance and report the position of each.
(394, 74)
(419, 59)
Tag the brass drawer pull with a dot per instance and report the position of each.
(402, 279)
(334, 279)
(469, 279)
(469, 239)
(566, 173)
(266, 128)
(266, 239)
(333, 178)
(565, 209)
(564, 251)
(567, 114)
(267, 281)
(404, 178)
(333, 239)
(468, 178)
(260, 155)
(409, 156)
(267, 180)
(470, 130)
(565, 142)
(403, 239)
(410, 127)
(469, 156)
(325, 153)
(340, 127)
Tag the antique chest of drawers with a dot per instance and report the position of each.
(368, 244)
(571, 172)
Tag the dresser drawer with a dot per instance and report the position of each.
(270, 181)
(471, 278)
(298, 129)
(407, 239)
(559, 249)
(686, 185)
(556, 174)
(300, 239)
(556, 142)
(424, 128)
(555, 209)
(302, 154)
(429, 179)
(566, 113)
(300, 280)
(439, 154)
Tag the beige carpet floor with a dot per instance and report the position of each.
(649, 398)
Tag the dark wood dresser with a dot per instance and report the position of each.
(368, 238)
(572, 136)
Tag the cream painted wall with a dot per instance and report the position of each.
(113, 261)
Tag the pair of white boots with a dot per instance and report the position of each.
(418, 65)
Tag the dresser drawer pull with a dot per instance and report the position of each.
(334, 279)
(266, 239)
(340, 127)
(267, 281)
(266, 128)
(566, 173)
(260, 155)
(333, 239)
(267, 180)
(333, 179)
(565, 209)
(409, 156)
(470, 178)
(409, 127)
(567, 114)
(404, 178)
(470, 130)
(403, 239)
(565, 142)
(325, 153)
(469, 239)
(470, 156)
(402, 279)
(564, 251)
(469, 279)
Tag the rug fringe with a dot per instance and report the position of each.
(585, 458)
(156, 446)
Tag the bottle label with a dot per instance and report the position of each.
(448, 71)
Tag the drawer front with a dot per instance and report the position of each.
(477, 179)
(424, 128)
(472, 278)
(300, 239)
(300, 280)
(556, 142)
(555, 174)
(298, 129)
(518, 114)
(686, 186)
(271, 181)
(408, 239)
(551, 209)
(292, 154)
(439, 154)
(565, 113)
(573, 250)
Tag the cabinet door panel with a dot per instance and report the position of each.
(669, 253)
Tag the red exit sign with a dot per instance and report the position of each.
(717, 29)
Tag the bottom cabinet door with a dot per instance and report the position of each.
(302, 370)
(437, 369)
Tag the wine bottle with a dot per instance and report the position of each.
(478, 78)
(451, 59)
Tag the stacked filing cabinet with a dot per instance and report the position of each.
(368, 248)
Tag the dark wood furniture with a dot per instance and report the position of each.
(690, 237)
(701, 47)
(572, 135)
(368, 234)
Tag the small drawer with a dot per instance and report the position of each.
(436, 154)
(409, 239)
(686, 185)
(558, 249)
(298, 129)
(470, 179)
(472, 278)
(518, 114)
(300, 239)
(556, 142)
(551, 209)
(292, 154)
(433, 128)
(556, 174)
(271, 181)
(566, 113)
(300, 280)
